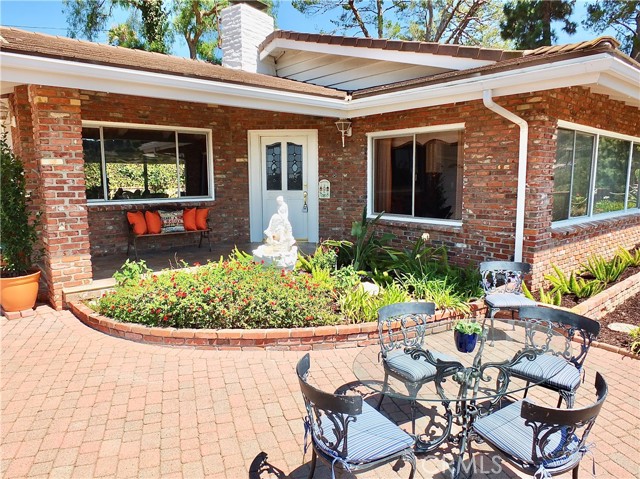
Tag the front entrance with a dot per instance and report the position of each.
(284, 163)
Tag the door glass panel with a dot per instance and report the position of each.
(611, 174)
(294, 167)
(274, 167)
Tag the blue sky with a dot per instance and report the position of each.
(47, 17)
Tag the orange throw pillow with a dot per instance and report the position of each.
(136, 220)
(201, 218)
(154, 223)
(189, 219)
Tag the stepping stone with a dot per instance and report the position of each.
(621, 327)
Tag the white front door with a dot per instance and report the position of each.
(285, 173)
(284, 163)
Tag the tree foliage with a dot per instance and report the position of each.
(528, 22)
(445, 21)
(622, 16)
(152, 24)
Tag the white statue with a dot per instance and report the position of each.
(279, 233)
(279, 246)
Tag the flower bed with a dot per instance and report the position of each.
(278, 339)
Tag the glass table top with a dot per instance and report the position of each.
(481, 374)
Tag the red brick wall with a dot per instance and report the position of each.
(54, 166)
(490, 169)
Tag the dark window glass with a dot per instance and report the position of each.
(634, 179)
(611, 175)
(92, 163)
(419, 176)
(583, 161)
(143, 164)
(274, 167)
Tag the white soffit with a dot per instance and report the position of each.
(347, 73)
(281, 47)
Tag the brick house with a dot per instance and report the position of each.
(525, 155)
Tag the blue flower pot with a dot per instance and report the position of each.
(465, 343)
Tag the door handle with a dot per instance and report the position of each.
(305, 208)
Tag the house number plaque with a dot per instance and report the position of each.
(324, 189)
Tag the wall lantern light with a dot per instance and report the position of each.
(344, 127)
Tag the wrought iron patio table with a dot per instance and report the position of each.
(468, 385)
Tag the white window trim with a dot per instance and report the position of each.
(404, 132)
(145, 126)
(598, 132)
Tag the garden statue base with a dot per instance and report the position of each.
(270, 255)
(279, 249)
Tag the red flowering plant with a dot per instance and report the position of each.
(233, 293)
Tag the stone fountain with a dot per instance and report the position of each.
(278, 249)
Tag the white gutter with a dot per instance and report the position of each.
(487, 99)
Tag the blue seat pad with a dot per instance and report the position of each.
(506, 430)
(370, 437)
(414, 370)
(508, 300)
(554, 371)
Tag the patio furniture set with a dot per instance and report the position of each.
(475, 393)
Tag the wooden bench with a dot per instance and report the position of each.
(133, 238)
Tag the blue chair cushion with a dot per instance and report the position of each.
(370, 437)
(413, 370)
(508, 300)
(554, 372)
(506, 430)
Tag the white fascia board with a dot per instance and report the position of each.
(413, 58)
(574, 72)
(26, 69)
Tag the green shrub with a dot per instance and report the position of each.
(439, 291)
(573, 284)
(630, 258)
(359, 305)
(603, 270)
(635, 338)
(228, 294)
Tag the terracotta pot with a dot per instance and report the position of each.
(19, 293)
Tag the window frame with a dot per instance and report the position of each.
(597, 133)
(144, 126)
(371, 137)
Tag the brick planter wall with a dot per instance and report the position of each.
(294, 339)
(605, 302)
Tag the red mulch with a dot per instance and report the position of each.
(627, 312)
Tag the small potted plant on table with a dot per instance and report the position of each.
(18, 277)
(466, 335)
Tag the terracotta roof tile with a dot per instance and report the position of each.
(39, 44)
(479, 53)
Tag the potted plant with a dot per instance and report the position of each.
(18, 277)
(466, 335)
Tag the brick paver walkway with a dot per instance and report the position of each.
(77, 403)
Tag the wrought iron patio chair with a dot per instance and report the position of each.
(401, 327)
(542, 441)
(502, 285)
(346, 432)
(567, 381)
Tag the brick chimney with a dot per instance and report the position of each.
(245, 25)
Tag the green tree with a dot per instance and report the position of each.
(445, 21)
(87, 18)
(622, 16)
(528, 22)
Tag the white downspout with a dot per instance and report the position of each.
(522, 167)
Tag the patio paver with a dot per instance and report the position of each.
(77, 403)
